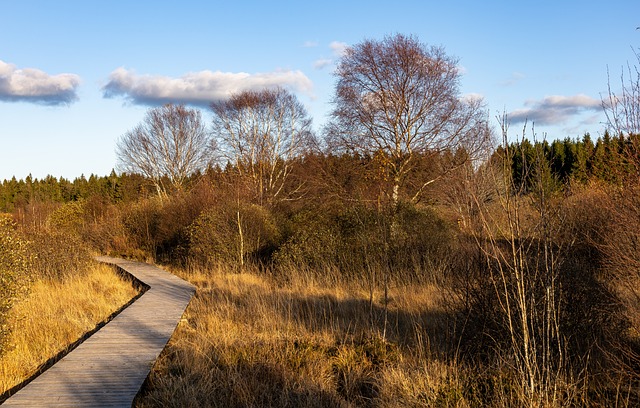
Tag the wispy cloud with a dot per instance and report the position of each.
(555, 110)
(197, 88)
(322, 63)
(513, 79)
(471, 97)
(36, 86)
(310, 44)
(337, 48)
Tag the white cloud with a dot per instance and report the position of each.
(197, 88)
(338, 48)
(310, 44)
(555, 109)
(36, 86)
(472, 97)
(322, 63)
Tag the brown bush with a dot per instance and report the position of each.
(621, 257)
(312, 242)
(563, 276)
(141, 222)
(232, 234)
(356, 241)
(58, 254)
(15, 263)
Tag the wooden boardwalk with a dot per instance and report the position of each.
(108, 369)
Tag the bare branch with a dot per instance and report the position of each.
(622, 109)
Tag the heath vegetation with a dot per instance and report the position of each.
(416, 253)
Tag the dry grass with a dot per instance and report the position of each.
(56, 314)
(248, 342)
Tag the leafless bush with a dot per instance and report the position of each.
(103, 228)
(619, 246)
(141, 225)
(623, 107)
(514, 297)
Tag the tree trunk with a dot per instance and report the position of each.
(241, 235)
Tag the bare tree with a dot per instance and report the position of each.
(171, 144)
(262, 133)
(621, 237)
(516, 291)
(398, 101)
(399, 98)
(623, 108)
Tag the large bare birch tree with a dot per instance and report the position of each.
(262, 133)
(401, 99)
(168, 146)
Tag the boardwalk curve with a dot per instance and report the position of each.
(108, 369)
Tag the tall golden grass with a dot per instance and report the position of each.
(248, 341)
(54, 315)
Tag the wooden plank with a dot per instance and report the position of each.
(108, 369)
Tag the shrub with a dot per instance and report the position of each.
(356, 241)
(14, 269)
(550, 286)
(422, 245)
(68, 218)
(141, 222)
(232, 234)
(313, 242)
(618, 244)
(60, 249)
(104, 230)
(160, 228)
(57, 255)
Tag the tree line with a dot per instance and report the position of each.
(571, 161)
(575, 161)
(16, 194)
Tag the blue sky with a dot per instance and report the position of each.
(76, 75)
